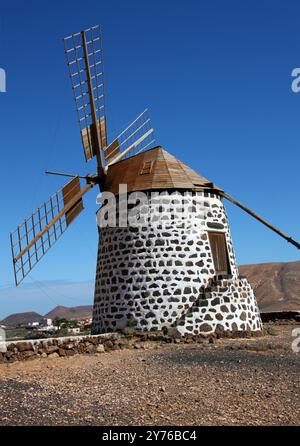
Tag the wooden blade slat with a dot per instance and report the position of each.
(89, 139)
(69, 192)
(112, 151)
(38, 233)
(74, 212)
(103, 132)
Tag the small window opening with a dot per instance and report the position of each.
(147, 167)
(219, 251)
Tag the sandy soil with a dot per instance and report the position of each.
(228, 382)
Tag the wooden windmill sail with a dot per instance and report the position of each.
(36, 234)
(31, 240)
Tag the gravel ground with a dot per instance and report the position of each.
(228, 382)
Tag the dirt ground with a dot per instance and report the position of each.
(228, 382)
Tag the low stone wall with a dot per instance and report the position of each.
(129, 339)
(56, 347)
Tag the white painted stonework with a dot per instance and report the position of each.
(162, 275)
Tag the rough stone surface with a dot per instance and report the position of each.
(56, 347)
(100, 349)
(162, 275)
(229, 382)
(23, 346)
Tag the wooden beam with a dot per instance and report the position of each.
(262, 220)
(63, 174)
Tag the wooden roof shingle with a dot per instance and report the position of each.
(152, 170)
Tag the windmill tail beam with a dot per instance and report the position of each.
(262, 220)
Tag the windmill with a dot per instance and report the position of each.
(147, 276)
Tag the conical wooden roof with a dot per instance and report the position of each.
(154, 169)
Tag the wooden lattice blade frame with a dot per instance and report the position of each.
(84, 55)
(33, 238)
(137, 137)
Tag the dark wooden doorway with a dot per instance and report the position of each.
(219, 252)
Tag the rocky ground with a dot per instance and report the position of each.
(218, 382)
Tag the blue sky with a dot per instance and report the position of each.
(216, 76)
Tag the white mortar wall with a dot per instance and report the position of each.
(153, 275)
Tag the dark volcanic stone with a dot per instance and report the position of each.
(205, 328)
(215, 225)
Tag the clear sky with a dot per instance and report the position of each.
(216, 76)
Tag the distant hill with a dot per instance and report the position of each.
(81, 312)
(276, 285)
(22, 318)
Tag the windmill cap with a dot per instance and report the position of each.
(155, 169)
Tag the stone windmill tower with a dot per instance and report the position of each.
(165, 256)
(176, 267)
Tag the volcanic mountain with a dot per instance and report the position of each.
(276, 285)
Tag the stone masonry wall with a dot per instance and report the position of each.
(151, 276)
(12, 351)
(227, 305)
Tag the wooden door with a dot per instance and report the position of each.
(219, 252)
